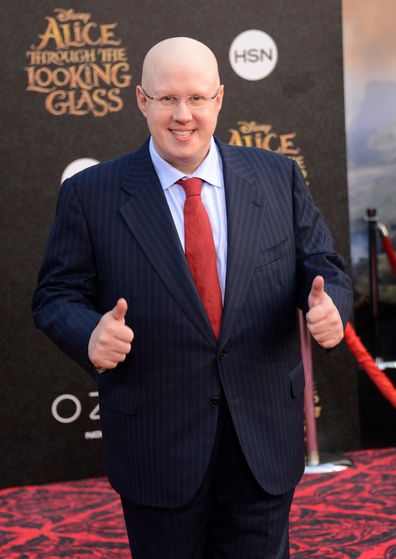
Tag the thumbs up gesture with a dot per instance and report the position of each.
(110, 341)
(323, 319)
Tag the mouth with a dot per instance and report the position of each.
(182, 134)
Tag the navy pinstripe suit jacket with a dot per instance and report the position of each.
(113, 237)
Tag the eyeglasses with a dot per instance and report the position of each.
(171, 101)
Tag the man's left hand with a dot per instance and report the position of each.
(323, 319)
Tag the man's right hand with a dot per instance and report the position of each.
(110, 341)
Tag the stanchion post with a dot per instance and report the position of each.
(313, 458)
(373, 265)
(310, 421)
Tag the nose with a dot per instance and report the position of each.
(182, 112)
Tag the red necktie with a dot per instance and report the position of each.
(201, 253)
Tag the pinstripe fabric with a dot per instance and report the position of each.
(229, 517)
(114, 237)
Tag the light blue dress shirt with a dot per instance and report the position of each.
(213, 198)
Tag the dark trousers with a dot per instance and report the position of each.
(230, 517)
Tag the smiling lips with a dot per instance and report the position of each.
(182, 133)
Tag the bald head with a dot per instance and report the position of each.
(180, 97)
(179, 56)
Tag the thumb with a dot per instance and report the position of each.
(119, 311)
(317, 292)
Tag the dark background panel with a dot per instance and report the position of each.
(304, 95)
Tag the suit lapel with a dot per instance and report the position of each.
(149, 219)
(245, 209)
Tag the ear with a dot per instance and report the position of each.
(219, 98)
(141, 100)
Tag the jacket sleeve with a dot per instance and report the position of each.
(64, 301)
(315, 254)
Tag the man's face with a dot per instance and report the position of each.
(181, 134)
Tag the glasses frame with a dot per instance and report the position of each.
(156, 98)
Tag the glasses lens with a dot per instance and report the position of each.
(197, 101)
(166, 102)
(171, 101)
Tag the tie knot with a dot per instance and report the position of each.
(192, 187)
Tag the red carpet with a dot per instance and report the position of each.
(346, 515)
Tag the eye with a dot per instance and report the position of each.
(168, 100)
(196, 99)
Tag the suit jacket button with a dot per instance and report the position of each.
(221, 354)
(214, 401)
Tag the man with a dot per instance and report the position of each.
(195, 350)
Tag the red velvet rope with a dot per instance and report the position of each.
(387, 244)
(363, 357)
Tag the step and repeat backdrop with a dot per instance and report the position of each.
(68, 101)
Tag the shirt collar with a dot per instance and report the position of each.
(210, 170)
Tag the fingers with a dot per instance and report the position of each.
(110, 359)
(317, 292)
(328, 325)
(108, 346)
(323, 319)
(111, 346)
(328, 340)
(317, 313)
(325, 324)
(111, 340)
(117, 331)
(120, 310)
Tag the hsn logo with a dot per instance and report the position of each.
(253, 54)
